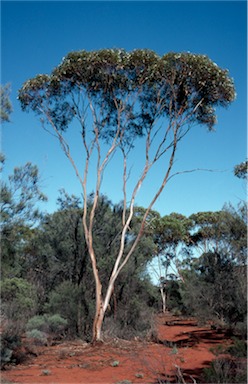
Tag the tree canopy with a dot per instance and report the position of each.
(171, 85)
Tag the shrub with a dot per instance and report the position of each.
(225, 371)
(10, 341)
(38, 323)
(56, 323)
(39, 336)
(19, 298)
(238, 348)
(47, 324)
(67, 293)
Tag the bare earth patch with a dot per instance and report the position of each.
(180, 344)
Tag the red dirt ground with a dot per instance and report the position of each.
(181, 343)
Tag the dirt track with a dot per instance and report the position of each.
(181, 344)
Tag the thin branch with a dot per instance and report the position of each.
(195, 170)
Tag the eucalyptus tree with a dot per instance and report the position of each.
(118, 97)
(171, 235)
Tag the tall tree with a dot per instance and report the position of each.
(129, 95)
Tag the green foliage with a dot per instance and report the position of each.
(10, 341)
(56, 323)
(47, 324)
(218, 349)
(215, 283)
(19, 298)
(18, 199)
(39, 336)
(178, 82)
(240, 170)
(238, 348)
(115, 363)
(19, 196)
(68, 293)
(37, 322)
(5, 104)
(225, 371)
(62, 265)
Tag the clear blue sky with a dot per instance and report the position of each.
(36, 35)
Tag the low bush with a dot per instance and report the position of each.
(10, 341)
(238, 348)
(226, 371)
(37, 322)
(39, 336)
(54, 324)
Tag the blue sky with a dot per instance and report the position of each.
(36, 35)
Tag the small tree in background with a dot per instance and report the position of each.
(170, 233)
(19, 196)
(129, 96)
(5, 105)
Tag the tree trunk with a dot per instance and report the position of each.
(101, 307)
(97, 325)
(163, 295)
(99, 313)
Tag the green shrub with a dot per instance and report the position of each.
(218, 350)
(38, 335)
(47, 324)
(115, 363)
(56, 323)
(37, 322)
(67, 293)
(238, 348)
(225, 371)
(19, 298)
(10, 341)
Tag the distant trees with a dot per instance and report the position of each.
(130, 96)
(171, 235)
(215, 282)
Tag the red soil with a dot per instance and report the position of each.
(181, 343)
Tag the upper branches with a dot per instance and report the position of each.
(140, 85)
